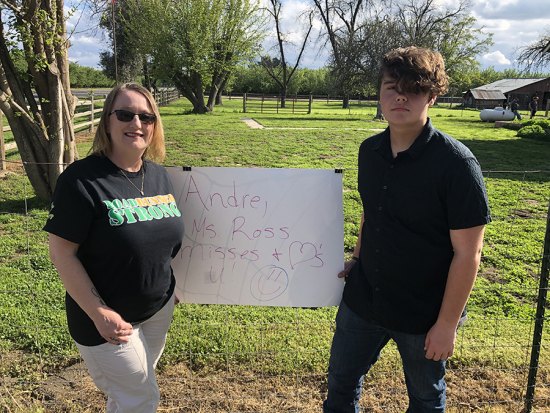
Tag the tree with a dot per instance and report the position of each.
(252, 78)
(362, 31)
(450, 31)
(537, 54)
(195, 44)
(128, 63)
(341, 21)
(83, 76)
(279, 70)
(37, 103)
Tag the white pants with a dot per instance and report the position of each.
(126, 372)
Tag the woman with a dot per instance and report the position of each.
(113, 228)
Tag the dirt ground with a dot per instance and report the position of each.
(237, 390)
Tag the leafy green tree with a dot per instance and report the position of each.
(313, 81)
(252, 78)
(194, 43)
(35, 94)
(127, 66)
(88, 77)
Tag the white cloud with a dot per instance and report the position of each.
(84, 40)
(496, 57)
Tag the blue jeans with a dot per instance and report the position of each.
(356, 347)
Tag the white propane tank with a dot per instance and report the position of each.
(498, 113)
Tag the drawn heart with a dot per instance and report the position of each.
(300, 252)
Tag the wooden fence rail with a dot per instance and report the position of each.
(162, 97)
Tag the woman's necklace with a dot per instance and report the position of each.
(142, 180)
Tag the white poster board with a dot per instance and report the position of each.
(272, 237)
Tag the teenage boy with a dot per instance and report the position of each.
(419, 247)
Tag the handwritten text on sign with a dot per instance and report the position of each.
(259, 236)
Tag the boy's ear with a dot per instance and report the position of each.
(432, 100)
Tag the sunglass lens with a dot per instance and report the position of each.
(124, 115)
(147, 118)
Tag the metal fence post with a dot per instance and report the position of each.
(2, 146)
(539, 319)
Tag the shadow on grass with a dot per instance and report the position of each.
(514, 159)
(336, 118)
(22, 206)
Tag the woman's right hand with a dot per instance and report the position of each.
(112, 326)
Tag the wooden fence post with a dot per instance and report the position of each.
(91, 129)
(547, 107)
(309, 104)
(2, 146)
(244, 102)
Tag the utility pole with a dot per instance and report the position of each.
(114, 38)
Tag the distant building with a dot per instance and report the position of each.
(502, 91)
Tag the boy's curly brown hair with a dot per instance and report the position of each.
(416, 70)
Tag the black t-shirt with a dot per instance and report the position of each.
(126, 240)
(410, 203)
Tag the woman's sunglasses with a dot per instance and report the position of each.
(127, 116)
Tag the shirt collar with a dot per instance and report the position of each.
(415, 149)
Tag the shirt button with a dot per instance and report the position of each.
(392, 166)
(376, 270)
(377, 250)
(377, 229)
(376, 289)
(385, 187)
(380, 207)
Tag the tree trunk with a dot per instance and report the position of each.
(219, 95)
(190, 86)
(283, 97)
(42, 125)
(379, 114)
(345, 102)
(216, 88)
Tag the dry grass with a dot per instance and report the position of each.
(238, 390)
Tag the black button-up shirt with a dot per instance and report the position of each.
(410, 203)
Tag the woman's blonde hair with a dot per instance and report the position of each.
(102, 140)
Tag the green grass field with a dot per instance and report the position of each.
(279, 341)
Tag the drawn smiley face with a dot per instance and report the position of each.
(269, 283)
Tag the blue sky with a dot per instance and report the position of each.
(514, 24)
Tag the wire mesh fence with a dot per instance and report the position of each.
(258, 359)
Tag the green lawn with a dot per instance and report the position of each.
(498, 334)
